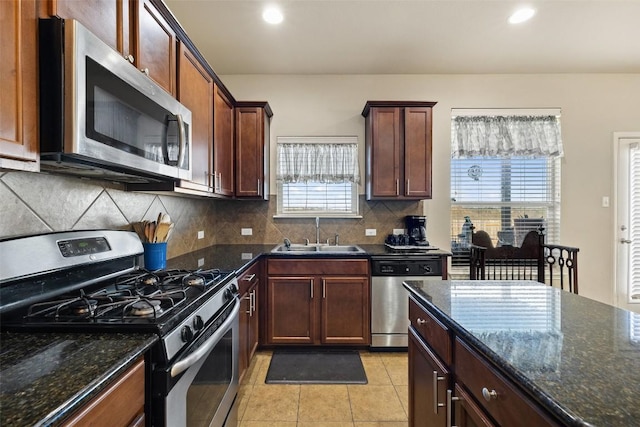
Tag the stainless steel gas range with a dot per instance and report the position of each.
(90, 281)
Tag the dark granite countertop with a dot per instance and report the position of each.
(45, 377)
(573, 355)
(239, 257)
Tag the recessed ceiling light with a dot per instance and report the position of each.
(272, 15)
(521, 15)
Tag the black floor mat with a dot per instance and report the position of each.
(316, 367)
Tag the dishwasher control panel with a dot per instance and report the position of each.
(406, 267)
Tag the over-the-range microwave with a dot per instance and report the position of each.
(101, 117)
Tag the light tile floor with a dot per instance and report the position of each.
(383, 402)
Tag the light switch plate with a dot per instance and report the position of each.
(200, 234)
(246, 231)
(200, 262)
(605, 201)
(370, 232)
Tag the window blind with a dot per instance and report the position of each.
(506, 197)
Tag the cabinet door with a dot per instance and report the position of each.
(254, 323)
(222, 143)
(107, 19)
(384, 152)
(428, 383)
(243, 334)
(18, 99)
(250, 156)
(345, 310)
(291, 310)
(417, 152)
(155, 46)
(195, 91)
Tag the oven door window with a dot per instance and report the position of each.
(207, 390)
(122, 117)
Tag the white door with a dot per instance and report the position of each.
(627, 223)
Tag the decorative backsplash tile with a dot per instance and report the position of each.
(38, 203)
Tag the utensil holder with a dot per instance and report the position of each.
(155, 255)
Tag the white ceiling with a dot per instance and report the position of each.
(414, 36)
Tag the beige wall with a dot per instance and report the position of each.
(593, 107)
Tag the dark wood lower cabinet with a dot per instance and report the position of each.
(120, 405)
(328, 306)
(428, 380)
(448, 388)
(249, 289)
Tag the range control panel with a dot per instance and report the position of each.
(406, 267)
(84, 246)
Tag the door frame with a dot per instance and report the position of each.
(617, 141)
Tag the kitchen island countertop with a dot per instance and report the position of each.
(45, 377)
(576, 357)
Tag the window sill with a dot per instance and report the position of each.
(330, 216)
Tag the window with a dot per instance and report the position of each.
(317, 176)
(505, 177)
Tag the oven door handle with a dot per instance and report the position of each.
(203, 350)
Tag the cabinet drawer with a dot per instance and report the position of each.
(431, 330)
(121, 404)
(249, 278)
(508, 406)
(351, 267)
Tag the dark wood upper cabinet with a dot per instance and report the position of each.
(109, 20)
(222, 143)
(195, 91)
(252, 149)
(155, 45)
(18, 99)
(398, 145)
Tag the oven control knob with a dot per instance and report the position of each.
(198, 323)
(186, 333)
(233, 288)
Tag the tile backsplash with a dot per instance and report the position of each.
(38, 203)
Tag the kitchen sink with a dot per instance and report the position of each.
(303, 249)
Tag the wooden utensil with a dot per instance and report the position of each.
(162, 232)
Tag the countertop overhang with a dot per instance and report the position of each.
(575, 356)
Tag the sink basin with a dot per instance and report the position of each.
(301, 249)
(340, 248)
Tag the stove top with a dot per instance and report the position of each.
(100, 287)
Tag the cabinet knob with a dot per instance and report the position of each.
(489, 395)
(129, 58)
(145, 71)
(421, 321)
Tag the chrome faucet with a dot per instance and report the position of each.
(317, 230)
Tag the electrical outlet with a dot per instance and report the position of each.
(246, 231)
(200, 262)
(246, 255)
(605, 201)
(398, 231)
(370, 232)
(200, 234)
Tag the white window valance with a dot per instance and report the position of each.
(318, 159)
(506, 136)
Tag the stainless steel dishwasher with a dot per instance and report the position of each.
(390, 300)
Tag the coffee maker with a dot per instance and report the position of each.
(417, 230)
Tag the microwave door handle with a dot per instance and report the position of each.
(182, 136)
(202, 351)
